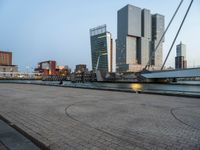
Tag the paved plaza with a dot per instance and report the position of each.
(82, 119)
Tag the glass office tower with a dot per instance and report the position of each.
(101, 49)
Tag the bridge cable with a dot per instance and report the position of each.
(177, 34)
(152, 54)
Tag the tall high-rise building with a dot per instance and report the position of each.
(157, 32)
(138, 32)
(145, 40)
(101, 49)
(128, 33)
(180, 59)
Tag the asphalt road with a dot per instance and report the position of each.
(69, 118)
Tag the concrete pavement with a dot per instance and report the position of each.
(68, 118)
(10, 139)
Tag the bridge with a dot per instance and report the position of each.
(167, 74)
(171, 74)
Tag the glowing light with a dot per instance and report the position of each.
(136, 86)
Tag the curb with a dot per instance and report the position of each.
(39, 144)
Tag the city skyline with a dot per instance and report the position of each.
(43, 30)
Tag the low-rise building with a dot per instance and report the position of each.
(5, 58)
(6, 63)
(81, 68)
(8, 68)
(63, 71)
(46, 68)
(51, 72)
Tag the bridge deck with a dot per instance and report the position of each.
(184, 73)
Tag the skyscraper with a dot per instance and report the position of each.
(157, 31)
(180, 59)
(128, 34)
(101, 49)
(138, 32)
(145, 40)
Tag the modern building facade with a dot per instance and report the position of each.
(81, 68)
(138, 32)
(101, 49)
(180, 59)
(5, 58)
(157, 32)
(6, 62)
(63, 71)
(47, 67)
(8, 68)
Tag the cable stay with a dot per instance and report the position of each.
(153, 52)
(189, 7)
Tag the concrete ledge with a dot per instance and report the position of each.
(25, 134)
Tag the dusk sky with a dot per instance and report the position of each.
(38, 30)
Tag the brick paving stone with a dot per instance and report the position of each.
(68, 118)
(2, 147)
